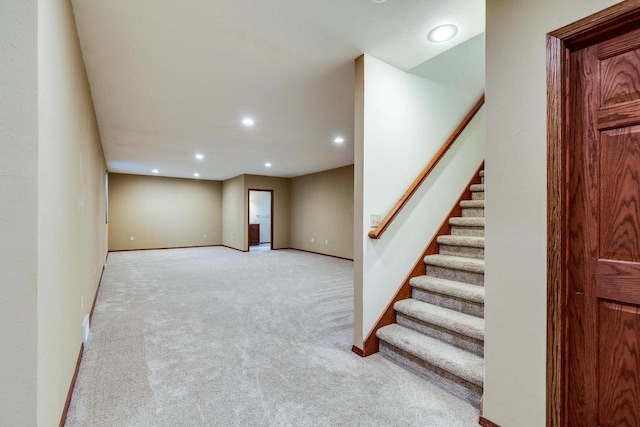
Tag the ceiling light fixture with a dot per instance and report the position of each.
(339, 140)
(247, 121)
(442, 33)
(155, 171)
(199, 156)
(268, 165)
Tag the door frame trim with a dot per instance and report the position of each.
(617, 19)
(249, 190)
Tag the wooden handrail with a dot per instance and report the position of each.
(377, 232)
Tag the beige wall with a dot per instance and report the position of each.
(281, 204)
(71, 205)
(322, 209)
(516, 167)
(162, 212)
(234, 210)
(18, 211)
(234, 204)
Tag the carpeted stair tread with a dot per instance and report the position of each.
(455, 262)
(467, 221)
(472, 204)
(455, 321)
(439, 331)
(470, 241)
(458, 362)
(450, 288)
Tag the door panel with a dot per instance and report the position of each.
(603, 223)
(620, 354)
(619, 189)
(620, 78)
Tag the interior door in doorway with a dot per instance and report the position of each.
(603, 233)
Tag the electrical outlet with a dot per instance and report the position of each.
(374, 220)
(313, 240)
(326, 242)
(204, 236)
(131, 238)
(85, 329)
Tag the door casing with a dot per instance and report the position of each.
(249, 214)
(615, 20)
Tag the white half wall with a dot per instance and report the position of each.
(406, 120)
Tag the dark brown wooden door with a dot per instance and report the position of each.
(603, 234)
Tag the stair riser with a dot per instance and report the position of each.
(477, 195)
(473, 212)
(465, 251)
(467, 231)
(466, 307)
(459, 387)
(456, 275)
(469, 344)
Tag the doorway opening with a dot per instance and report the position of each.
(260, 220)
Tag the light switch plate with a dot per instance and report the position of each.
(375, 220)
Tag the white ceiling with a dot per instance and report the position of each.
(172, 78)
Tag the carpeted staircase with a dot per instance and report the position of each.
(440, 330)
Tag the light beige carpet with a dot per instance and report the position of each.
(216, 337)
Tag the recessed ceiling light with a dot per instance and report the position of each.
(268, 164)
(196, 174)
(339, 140)
(247, 121)
(199, 156)
(155, 171)
(378, 1)
(443, 33)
